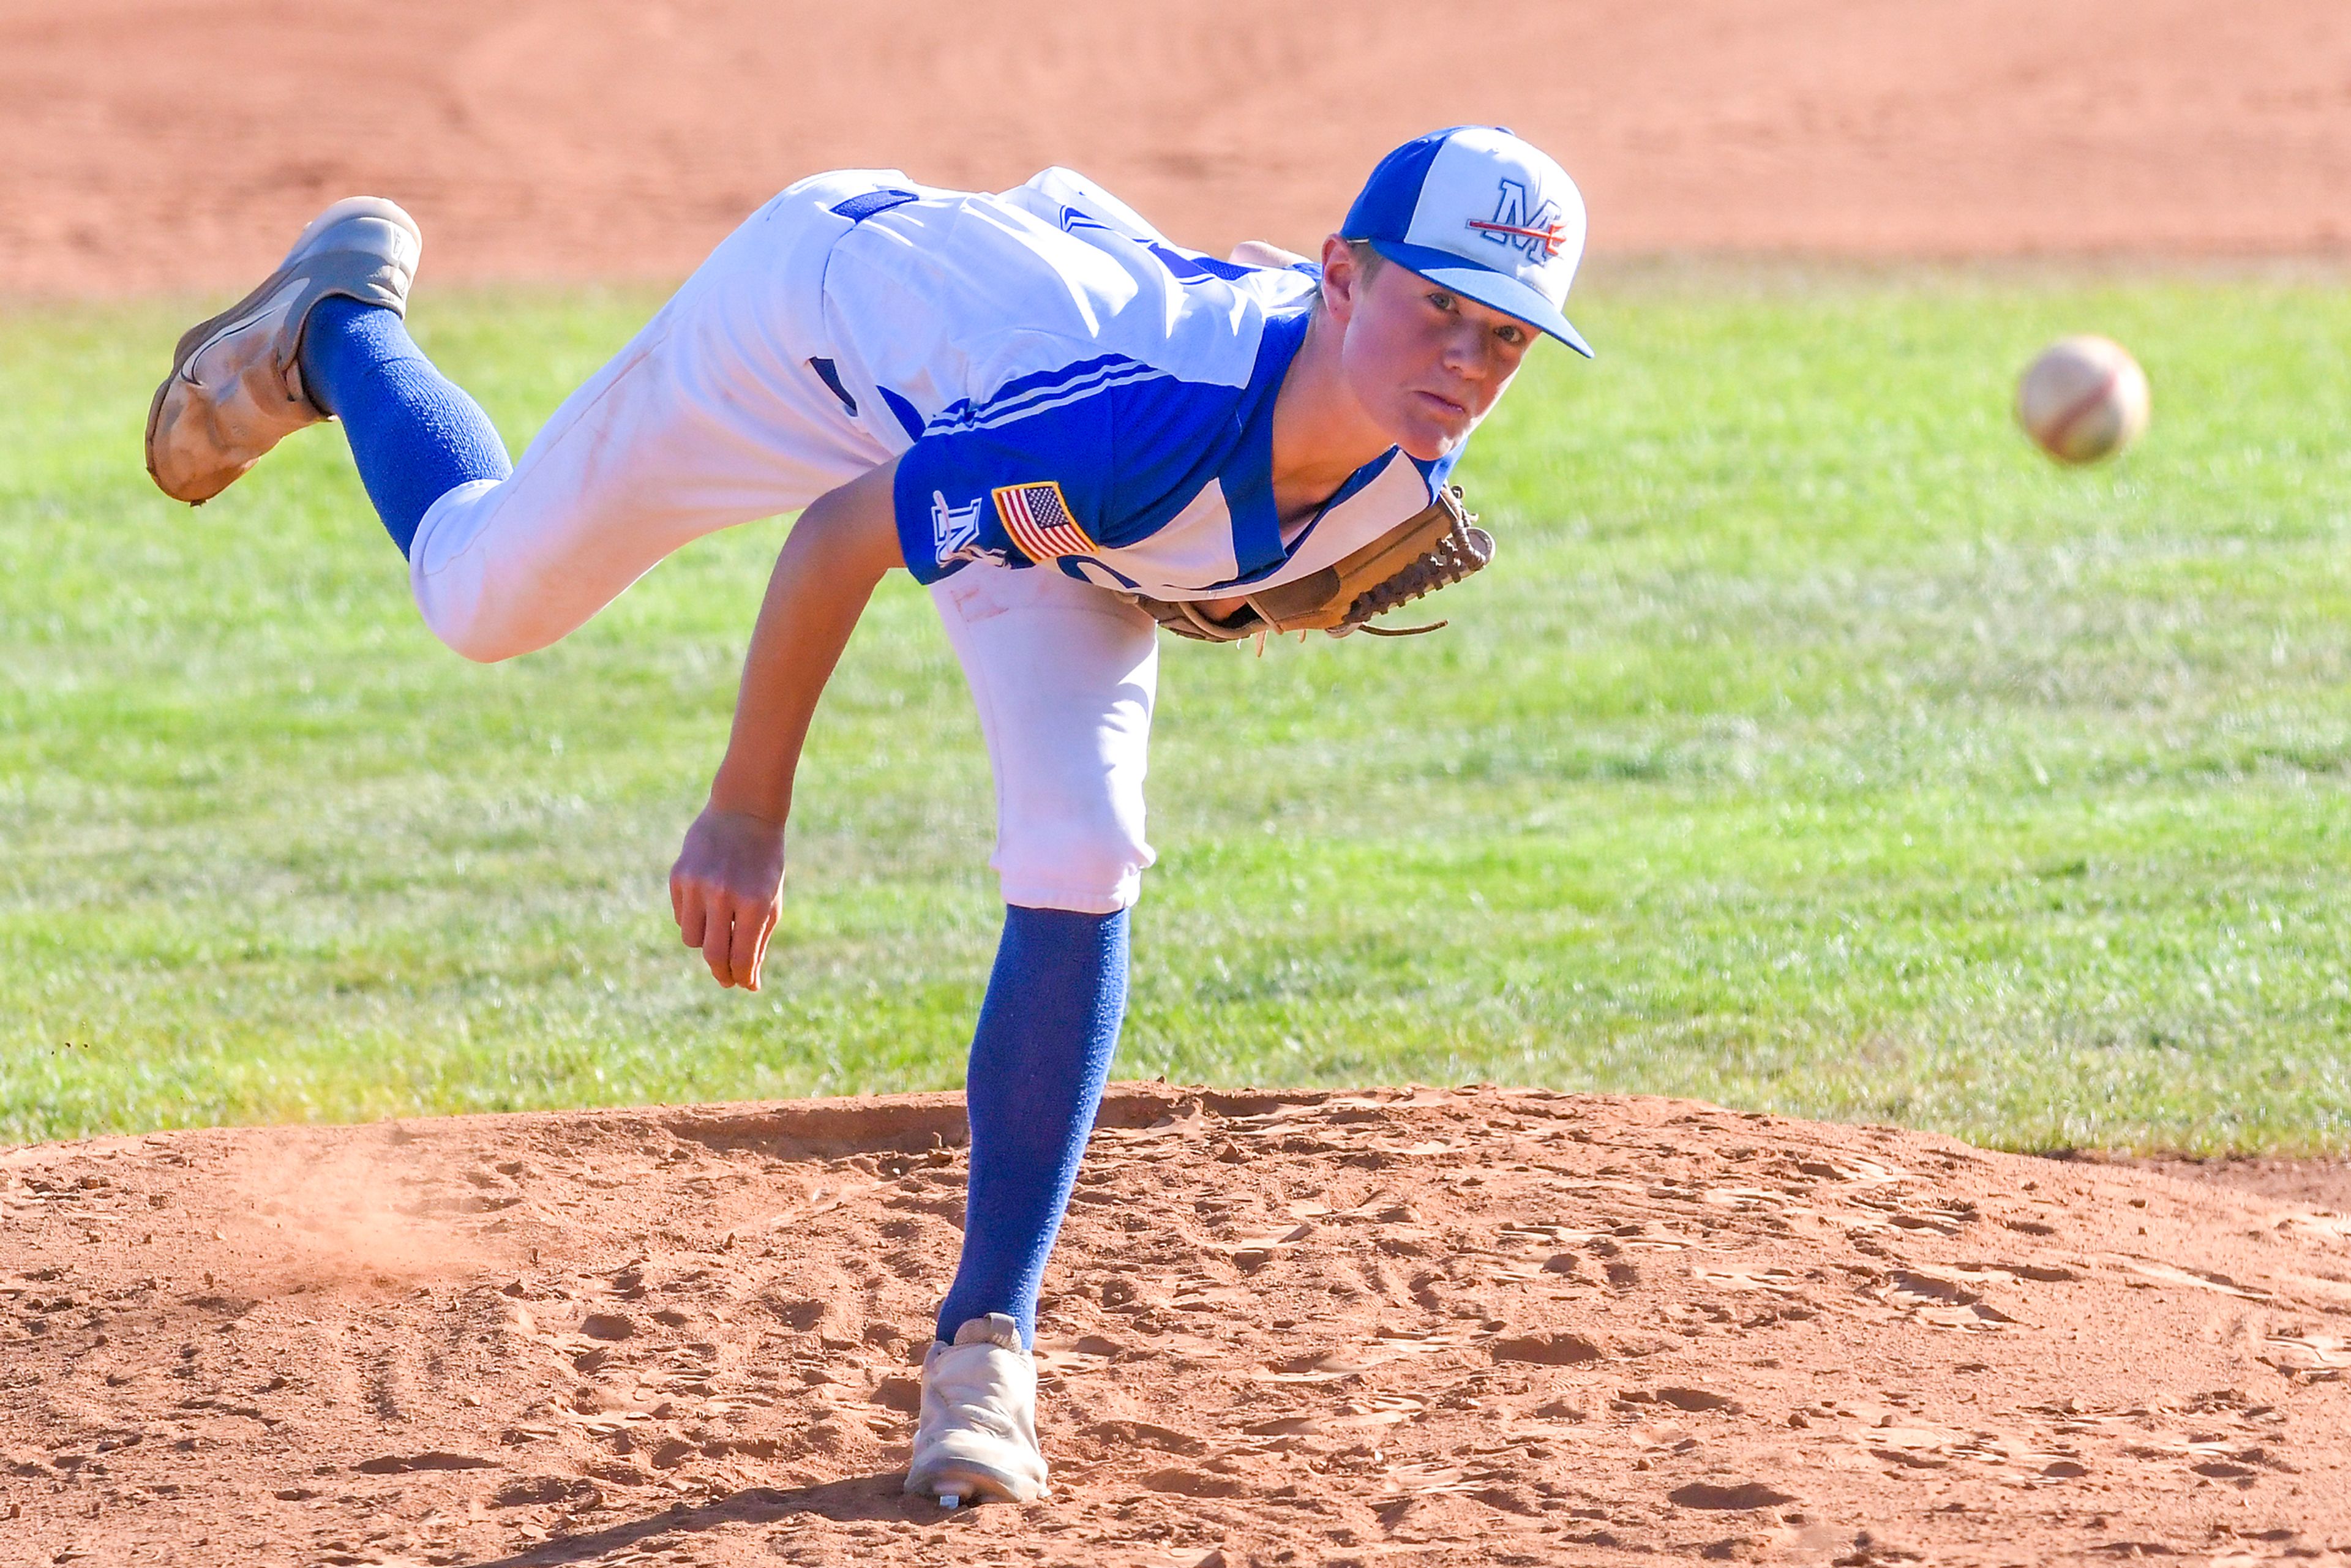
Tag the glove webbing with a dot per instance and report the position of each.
(1447, 548)
(1466, 549)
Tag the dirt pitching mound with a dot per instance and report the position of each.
(1416, 1326)
(163, 144)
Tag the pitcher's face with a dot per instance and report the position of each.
(1425, 361)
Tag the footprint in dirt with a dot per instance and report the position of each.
(1555, 1349)
(1945, 1304)
(1728, 1496)
(1691, 1399)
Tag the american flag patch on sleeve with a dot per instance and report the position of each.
(1039, 521)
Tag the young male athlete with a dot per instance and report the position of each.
(1068, 427)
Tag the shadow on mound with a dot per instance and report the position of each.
(872, 1497)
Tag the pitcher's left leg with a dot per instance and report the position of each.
(1064, 676)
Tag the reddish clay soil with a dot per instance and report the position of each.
(176, 144)
(1425, 1327)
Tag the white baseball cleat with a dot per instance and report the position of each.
(236, 386)
(977, 1435)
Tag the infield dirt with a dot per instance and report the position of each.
(169, 144)
(1423, 1326)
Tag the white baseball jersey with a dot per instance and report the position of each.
(1066, 387)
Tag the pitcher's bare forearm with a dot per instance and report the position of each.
(839, 549)
(727, 888)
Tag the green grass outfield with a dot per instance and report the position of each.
(1814, 746)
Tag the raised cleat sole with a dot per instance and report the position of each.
(219, 459)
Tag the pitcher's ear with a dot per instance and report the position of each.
(1342, 278)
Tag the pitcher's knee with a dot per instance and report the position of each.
(1090, 866)
(487, 595)
(483, 620)
(484, 639)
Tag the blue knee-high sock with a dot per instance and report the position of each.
(1038, 1061)
(413, 434)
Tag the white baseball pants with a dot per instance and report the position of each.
(712, 416)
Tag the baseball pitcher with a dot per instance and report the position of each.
(1074, 431)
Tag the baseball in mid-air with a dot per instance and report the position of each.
(2083, 398)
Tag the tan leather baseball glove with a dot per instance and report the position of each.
(1431, 549)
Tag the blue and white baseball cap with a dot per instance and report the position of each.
(1483, 213)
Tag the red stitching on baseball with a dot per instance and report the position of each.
(2075, 411)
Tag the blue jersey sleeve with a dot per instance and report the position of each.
(1059, 463)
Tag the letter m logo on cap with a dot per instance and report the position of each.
(1425, 208)
(1538, 232)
